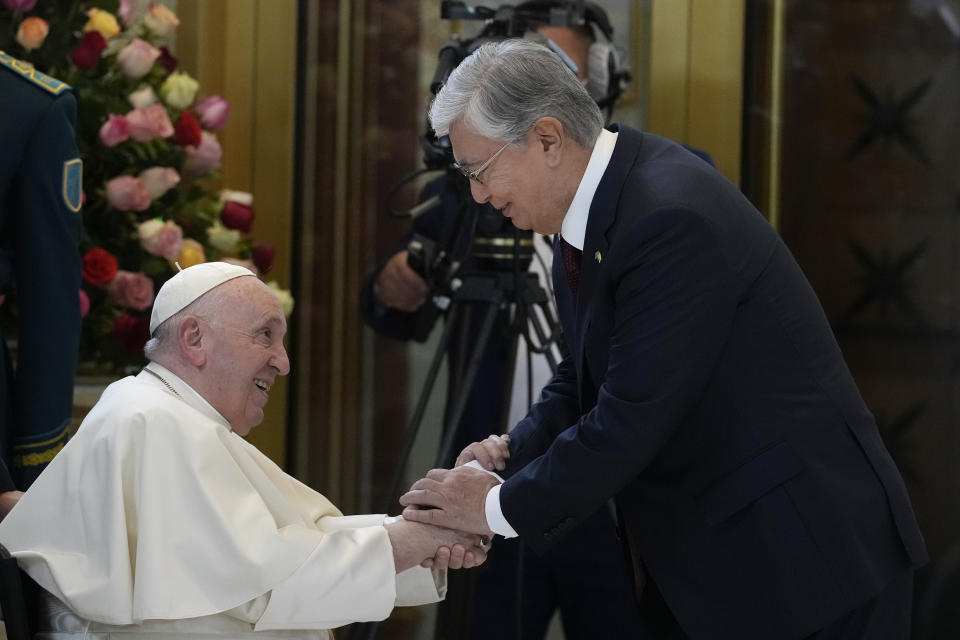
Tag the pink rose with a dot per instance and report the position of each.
(115, 130)
(159, 180)
(19, 5)
(149, 123)
(164, 239)
(213, 112)
(131, 290)
(84, 304)
(203, 158)
(137, 58)
(127, 193)
(125, 11)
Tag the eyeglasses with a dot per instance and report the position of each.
(475, 174)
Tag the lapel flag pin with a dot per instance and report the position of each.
(598, 257)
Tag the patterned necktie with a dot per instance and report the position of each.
(571, 263)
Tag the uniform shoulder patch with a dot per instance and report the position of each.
(26, 71)
(73, 184)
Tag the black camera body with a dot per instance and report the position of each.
(434, 264)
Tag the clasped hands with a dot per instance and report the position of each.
(455, 499)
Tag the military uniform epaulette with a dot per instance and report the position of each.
(26, 71)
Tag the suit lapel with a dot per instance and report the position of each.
(603, 213)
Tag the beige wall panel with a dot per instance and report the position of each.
(716, 82)
(239, 57)
(669, 68)
(696, 76)
(245, 51)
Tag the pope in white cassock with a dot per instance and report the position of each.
(158, 518)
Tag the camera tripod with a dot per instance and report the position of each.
(483, 293)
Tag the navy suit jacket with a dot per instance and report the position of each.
(706, 394)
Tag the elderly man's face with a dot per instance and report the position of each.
(246, 353)
(518, 182)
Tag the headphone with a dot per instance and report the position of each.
(607, 76)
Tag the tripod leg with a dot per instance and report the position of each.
(450, 433)
(535, 322)
(507, 391)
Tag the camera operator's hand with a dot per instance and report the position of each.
(400, 287)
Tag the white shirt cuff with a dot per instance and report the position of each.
(495, 518)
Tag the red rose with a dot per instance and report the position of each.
(99, 266)
(237, 216)
(263, 255)
(187, 130)
(131, 333)
(87, 53)
(168, 61)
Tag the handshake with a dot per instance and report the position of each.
(444, 521)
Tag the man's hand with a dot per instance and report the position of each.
(399, 286)
(417, 543)
(451, 498)
(491, 453)
(7, 500)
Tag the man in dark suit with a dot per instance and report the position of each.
(703, 393)
(590, 590)
(41, 179)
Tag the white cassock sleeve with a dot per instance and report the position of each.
(337, 585)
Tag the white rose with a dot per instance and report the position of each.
(283, 295)
(142, 98)
(222, 238)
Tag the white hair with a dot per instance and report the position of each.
(207, 306)
(504, 87)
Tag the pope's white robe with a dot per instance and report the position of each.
(157, 511)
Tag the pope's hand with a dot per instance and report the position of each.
(491, 453)
(459, 557)
(451, 498)
(417, 543)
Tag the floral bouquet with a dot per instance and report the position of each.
(148, 140)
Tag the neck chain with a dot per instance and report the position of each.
(160, 378)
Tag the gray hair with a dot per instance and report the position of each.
(504, 87)
(206, 306)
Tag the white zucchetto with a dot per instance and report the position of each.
(188, 285)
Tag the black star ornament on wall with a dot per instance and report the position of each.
(888, 119)
(884, 281)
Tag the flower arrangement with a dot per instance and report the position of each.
(148, 139)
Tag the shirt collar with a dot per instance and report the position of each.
(182, 390)
(574, 227)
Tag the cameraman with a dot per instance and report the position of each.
(592, 590)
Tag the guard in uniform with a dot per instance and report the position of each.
(41, 187)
